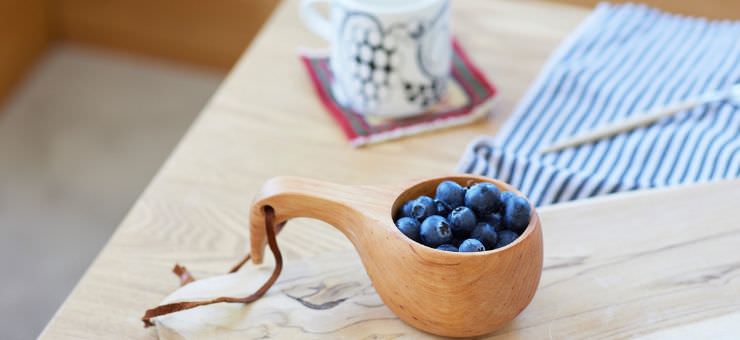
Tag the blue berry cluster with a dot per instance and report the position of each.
(461, 219)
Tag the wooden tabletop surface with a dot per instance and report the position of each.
(614, 267)
(265, 121)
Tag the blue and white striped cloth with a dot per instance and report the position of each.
(623, 59)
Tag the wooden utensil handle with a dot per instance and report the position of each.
(292, 197)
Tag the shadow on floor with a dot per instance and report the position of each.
(79, 140)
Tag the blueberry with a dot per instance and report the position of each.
(406, 209)
(471, 245)
(486, 234)
(462, 220)
(423, 207)
(442, 208)
(516, 214)
(447, 247)
(483, 198)
(451, 193)
(506, 195)
(505, 237)
(435, 231)
(409, 226)
(494, 220)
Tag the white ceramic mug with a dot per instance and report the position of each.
(389, 58)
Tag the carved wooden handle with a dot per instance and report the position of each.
(292, 197)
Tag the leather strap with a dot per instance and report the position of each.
(186, 277)
(183, 274)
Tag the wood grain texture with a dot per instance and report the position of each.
(266, 121)
(440, 292)
(23, 37)
(206, 33)
(715, 9)
(651, 275)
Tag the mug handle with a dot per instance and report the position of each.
(315, 22)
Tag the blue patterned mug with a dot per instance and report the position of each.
(389, 58)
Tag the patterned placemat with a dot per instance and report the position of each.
(469, 97)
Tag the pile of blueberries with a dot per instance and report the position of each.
(471, 219)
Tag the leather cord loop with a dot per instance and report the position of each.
(186, 277)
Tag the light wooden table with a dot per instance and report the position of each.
(265, 121)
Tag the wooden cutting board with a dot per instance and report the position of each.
(613, 268)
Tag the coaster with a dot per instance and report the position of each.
(469, 97)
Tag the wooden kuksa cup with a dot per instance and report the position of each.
(444, 293)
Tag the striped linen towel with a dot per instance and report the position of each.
(623, 59)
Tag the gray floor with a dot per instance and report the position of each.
(79, 140)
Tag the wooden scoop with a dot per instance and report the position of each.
(444, 293)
